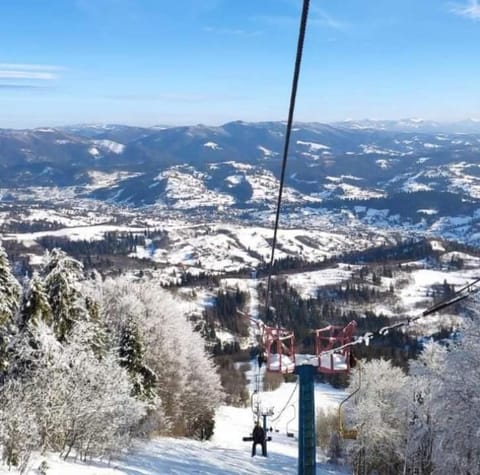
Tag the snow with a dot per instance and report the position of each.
(110, 146)
(266, 152)
(411, 184)
(334, 361)
(74, 233)
(423, 159)
(436, 245)
(414, 296)
(225, 454)
(428, 212)
(281, 363)
(233, 180)
(468, 260)
(94, 151)
(307, 283)
(102, 179)
(312, 146)
(212, 145)
(186, 189)
(373, 149)
(382, 163)
(352, 192)
(265, 189)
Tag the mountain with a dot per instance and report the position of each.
(468, 126)
(404, 166)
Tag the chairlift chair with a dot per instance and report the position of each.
(351, 434)
(280, 348)
(331, 361)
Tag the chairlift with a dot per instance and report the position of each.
(330, 360)
(351, 434)
(291, 434)
(280, 348)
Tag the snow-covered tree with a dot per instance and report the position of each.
(455, 406)
(188, 386)
(69, 400)
(97, 410)
(9, 290)
(379, 413)
(19, 435)
(425, 372)
(132, 357)
(62, 284)
(35, 306)
(9, 302)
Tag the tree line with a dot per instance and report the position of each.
(87, 364)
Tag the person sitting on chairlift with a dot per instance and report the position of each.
(258, 435)
(261, 358)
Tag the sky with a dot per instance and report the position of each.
(176, 62)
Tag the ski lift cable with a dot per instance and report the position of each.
(459, 295)
(293, 96)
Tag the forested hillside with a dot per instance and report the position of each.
(87, 364)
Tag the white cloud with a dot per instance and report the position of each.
(230, 31)
(318, 18)
(39, 75)
(36, 72)
(31, 67)
(471, 10)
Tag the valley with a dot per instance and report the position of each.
(378, 223)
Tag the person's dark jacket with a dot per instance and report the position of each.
(258, 435)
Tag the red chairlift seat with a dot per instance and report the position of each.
(327, 339)
(280, 348)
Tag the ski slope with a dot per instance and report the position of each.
(225, 454)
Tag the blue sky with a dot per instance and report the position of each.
(151, 62)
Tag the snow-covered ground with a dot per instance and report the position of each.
(307, 283)
(225, 454)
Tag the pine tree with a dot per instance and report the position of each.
(98, 339)
(62, 277)
(9, 301)
(132, 355)
(35, 306)
(9, 290)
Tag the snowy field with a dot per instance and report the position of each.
(225, 454)
(307, 283)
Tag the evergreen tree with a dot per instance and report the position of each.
(9, 301)
(132, 355)
(35, 306)
(62, 277)
(97, 339)
(9, 290)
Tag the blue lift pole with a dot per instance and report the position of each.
(307, 444)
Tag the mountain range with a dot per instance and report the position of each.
(414, 167)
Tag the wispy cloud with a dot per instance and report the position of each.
(318, 18)
(20, 87)
(231, 31)
(31, 67)
(470, 10)
(177, 97)
(36, 72)
(38, 75)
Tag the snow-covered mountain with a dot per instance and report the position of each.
(407, 167)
